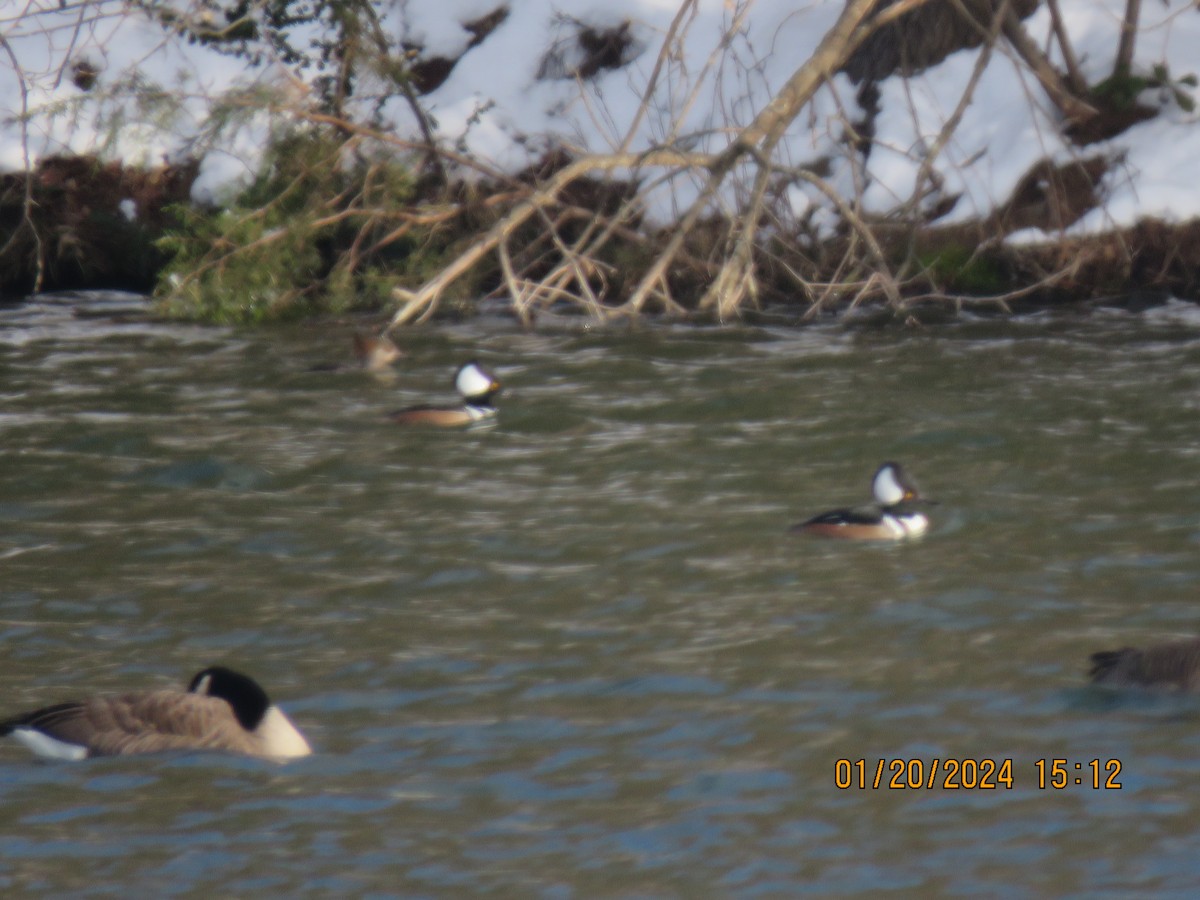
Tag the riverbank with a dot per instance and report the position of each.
(1048, 163)
(82, 203)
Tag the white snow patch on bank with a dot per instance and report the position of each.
(494, 105)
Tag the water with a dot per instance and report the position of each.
(577, 654)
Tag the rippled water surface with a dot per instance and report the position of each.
(578, 654)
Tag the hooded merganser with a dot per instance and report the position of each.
(221, 710)
(477, 387)
(892, 519)
(1175, 664)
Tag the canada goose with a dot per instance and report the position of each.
(222, 710)
(477, 387)
(893, 518)
(1175, 664)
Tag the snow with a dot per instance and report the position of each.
(494, 104)
(438, 27)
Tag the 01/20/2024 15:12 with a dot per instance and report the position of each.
(972, 774)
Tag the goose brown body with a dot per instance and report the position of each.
(142, 723)
(222, 710)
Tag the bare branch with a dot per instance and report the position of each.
(1073, 108)
(27, 204)
(1074, 74)
(1124, 60)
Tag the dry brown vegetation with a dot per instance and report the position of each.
(720, 265)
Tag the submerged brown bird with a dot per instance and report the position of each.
(477, 386)
(372, 354)
(1175, 664)
(222, 710)
(375, 354)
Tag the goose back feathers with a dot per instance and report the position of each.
(1175, 664)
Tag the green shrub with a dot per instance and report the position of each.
(957, 269)
(318, 230)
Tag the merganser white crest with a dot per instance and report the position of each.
(472, 381)
(891, 486)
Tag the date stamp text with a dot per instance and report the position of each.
(983, 774)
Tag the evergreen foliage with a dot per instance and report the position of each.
(321, 229)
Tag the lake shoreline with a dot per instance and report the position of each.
(106, 221)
